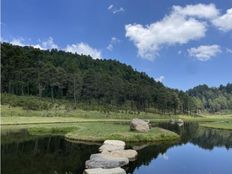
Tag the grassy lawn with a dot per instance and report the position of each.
(7, 111)
(91, 132)
(219, 125)
(102, 131)
(17, 120)
(95, 125)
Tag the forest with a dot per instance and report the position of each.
(55, 74)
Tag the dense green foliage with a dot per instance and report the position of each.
(81, 79)
(213, 99)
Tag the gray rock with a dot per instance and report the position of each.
(106, 161)
(112, 145)
(110, 148)
(117, 170)
(115, 142)
(130, 154)
(139, 125)
(180, 121)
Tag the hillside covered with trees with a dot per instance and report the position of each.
(213, 99)
(107, 83)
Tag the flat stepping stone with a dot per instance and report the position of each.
(105, 161)
(117, 170)
(112, 145)
(110, 148)
(130, 154)
(115, 142)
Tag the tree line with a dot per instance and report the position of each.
(81, 79)
(213, 99)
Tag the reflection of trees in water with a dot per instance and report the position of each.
(204, 137)
(54, 155)
(147, 154)
(51, 155)
(191, 132)
(187, 131)
(209, 138)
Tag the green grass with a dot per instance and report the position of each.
(91, 132)
(9, 111)
(18, 115)
(13, 133)
(94, 125)
(98, 132)
(219, 125)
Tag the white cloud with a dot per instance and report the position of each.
(80, 48)
(17, 41)
(160, 79)
(115, 10)
(83, 48)
(179, 52)
(172, 29)
(165, 156)
(113, 41)
(182, 25)
(48, 44)
(121, 9)
(110, 7)
(228, 50)
(204, 52)
(207, 11)
(224, 22)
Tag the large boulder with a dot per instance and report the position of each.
(117, 170)
(139, 125)
(112, 145)
(129, 153)
(106, 161)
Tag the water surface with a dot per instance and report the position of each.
(200, 151)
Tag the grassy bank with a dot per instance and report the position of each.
(88, 125)
(102, 131)
(219, 125)
(91, 132)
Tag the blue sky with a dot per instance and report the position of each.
(182, 43)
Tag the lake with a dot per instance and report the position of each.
(200, 151)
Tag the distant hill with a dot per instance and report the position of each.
(81, 79)
(213, 99)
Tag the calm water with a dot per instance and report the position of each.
(200, 151)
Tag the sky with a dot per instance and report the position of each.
(182, 43)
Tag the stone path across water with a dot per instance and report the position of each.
(112, 157)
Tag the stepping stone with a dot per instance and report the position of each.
(130, 154)
(117, 170)
(112, 145)
(115, 142)
(106, 161)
